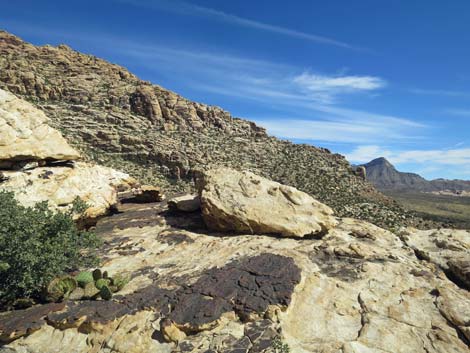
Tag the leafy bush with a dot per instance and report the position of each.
(36, 245)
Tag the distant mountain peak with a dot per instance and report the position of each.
(385, 176)
(380, 161)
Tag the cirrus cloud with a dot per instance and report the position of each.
(325, 88)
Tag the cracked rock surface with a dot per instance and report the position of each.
(359, 289)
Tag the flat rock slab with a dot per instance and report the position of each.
(185, 203)
(15, 324)
(360, 290)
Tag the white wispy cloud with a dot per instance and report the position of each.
(311, 97)
(336, 129)
(196, 10)
(324, 88)
(315, 82)
(250, 78)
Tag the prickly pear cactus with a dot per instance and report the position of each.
(77, 294)
(91, 292)
(83, 278)
(106, 293)
(102, 282)
(118, 282)
(97, 274)
(60, 287)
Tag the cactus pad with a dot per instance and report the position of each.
(83, 278)
(106, 293)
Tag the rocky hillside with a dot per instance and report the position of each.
(161, 138)
(384, 176)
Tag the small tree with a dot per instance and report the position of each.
(37, 244)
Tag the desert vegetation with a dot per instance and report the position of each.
(37, 245)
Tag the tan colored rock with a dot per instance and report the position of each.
(185, 203)
(361, 291)
(247, 203)
(447, 248)
(60, 186)
(454, 304)
(25, 135)
(171, 332)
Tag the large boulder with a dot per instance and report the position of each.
(247, 203)
(60, 185)
(25, 135)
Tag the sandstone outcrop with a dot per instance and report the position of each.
(44, 168)
(448, 249)
(211, 280)
(247, 203)
(60, 185)
(358, 289)
(26, 136)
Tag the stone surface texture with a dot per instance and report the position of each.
(448, 249)
(247, 203)
(60, 185)
(359, 289)
(43, 164)
(185, 203)
(25, 134)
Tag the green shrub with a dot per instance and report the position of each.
(37, 245)
(279, 346)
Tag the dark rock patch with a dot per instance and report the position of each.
(148, 271)
(174, 238)
(261, 335)
(15, 324)
(245, 286)
(347, 269)
(46, 174)
(87, 312)
(132, 216)
(184, 220)
(459, 272)
(344, 268)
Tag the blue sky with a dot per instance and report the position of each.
(364, 78)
